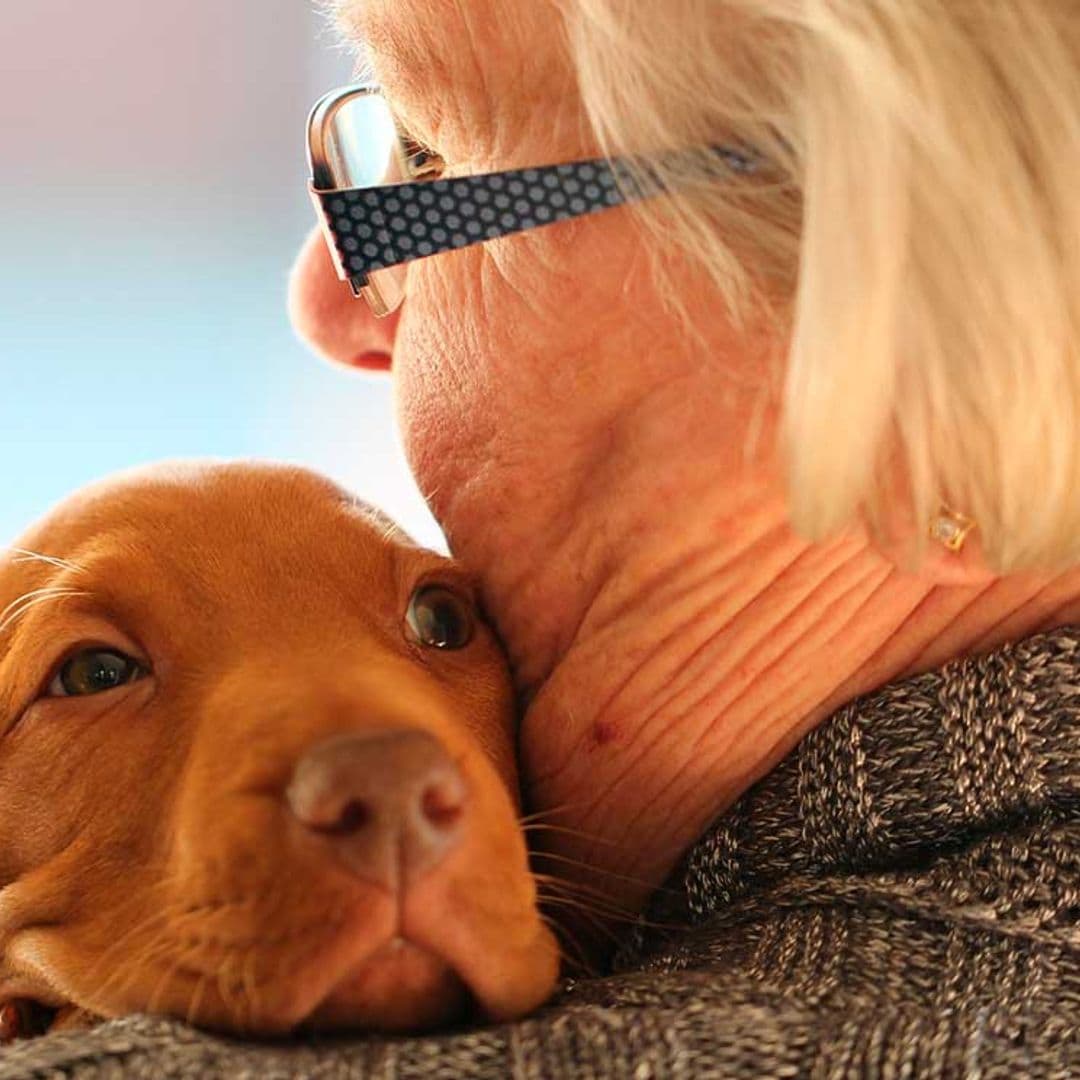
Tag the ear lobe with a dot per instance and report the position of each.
(327, 316)
(937, 564)
(373, 359)
(964, 567)
(899, 529)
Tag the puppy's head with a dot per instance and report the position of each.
(256, 765)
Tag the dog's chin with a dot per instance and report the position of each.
(401, 987)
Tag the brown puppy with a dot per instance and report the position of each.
(256, 767)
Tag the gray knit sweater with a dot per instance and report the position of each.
(899, 898)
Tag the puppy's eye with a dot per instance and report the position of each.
(438, 617)
(93, 671)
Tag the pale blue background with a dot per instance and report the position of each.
(151, 199)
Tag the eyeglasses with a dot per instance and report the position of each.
(383, 201)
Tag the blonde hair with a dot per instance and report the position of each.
(917, 229)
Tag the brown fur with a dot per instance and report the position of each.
(147, 859)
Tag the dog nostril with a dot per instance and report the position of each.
(353, 817)
(391, 804)
(441, 804)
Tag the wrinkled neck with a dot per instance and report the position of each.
(622, 502)
(674, 653)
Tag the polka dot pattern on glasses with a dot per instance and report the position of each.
(374, 228)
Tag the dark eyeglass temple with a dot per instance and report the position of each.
(375, 228)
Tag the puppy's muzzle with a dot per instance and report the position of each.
(390, 803)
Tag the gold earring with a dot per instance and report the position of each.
(950, 527)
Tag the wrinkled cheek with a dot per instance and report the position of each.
(438, 388)
(423, 417)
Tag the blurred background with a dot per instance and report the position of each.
(152, 196)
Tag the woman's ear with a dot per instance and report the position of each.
(941, 566)
(928, 556)
(919, 545)
(330, 319)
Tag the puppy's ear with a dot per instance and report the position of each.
(939, 566)
(330, 319)
(908, 540)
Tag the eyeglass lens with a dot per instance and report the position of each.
(363, 150)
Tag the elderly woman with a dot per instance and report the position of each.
(772, 482)
(776, 476)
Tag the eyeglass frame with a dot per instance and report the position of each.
(367, 229)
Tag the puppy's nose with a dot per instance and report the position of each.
(390, 802)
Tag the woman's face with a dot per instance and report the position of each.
(552, 408)
(515, 362)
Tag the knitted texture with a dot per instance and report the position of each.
(899, 898)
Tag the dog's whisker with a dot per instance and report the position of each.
(24, 555)
(220, 980)
(602, 905)
(579, 960)
(596, 920)
(535, 823)
(245, 1005)
(528, 819)
(565, 830)
(122, 942)
(564, 938)
(163, 984)
(151, 952)
(198, 989)
(389, 530)
(231, 989)
(17, 608)
(131, 974)
(613, 874)
(569, 860)
(587, 922)
(182, 954)
(552, 886)
(196, 999)
(154, 926)
(250, 985)
(231, 998)
(551, 811)
(607, 912)
(581, 888)
(595, 899)
(43, 591)
(116, 980)
(580, 908)
(164, 915)
(171, 960)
